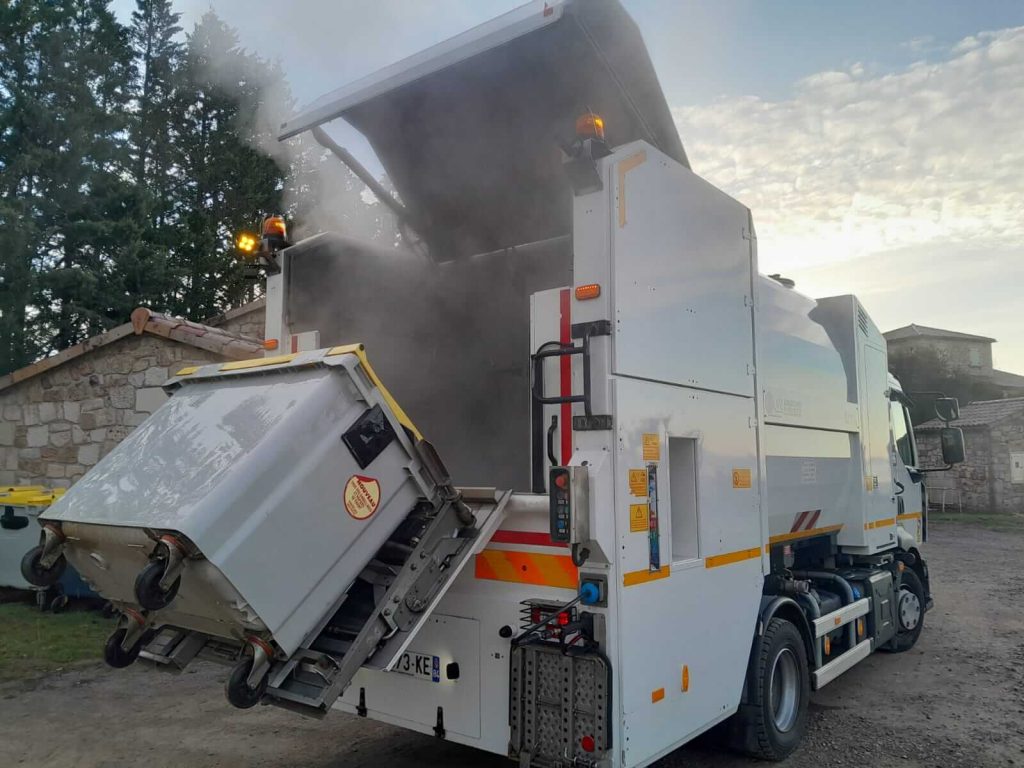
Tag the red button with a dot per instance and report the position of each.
(587, 742)
(561, 480)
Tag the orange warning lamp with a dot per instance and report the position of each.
(590, 126)
(274, 226)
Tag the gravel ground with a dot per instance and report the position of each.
(956, 699)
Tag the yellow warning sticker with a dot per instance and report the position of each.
(638, 520)
(652, 446)
(741, 478)
(362, 496)
(638, 482)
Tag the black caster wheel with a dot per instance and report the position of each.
(147, 587)
(237, 688)
(116, 656)
(38, 576)
(59, 603)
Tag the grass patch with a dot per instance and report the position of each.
(992, 521)
(33, 643)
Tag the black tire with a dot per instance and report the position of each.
(147, 587)
(116, 656)
(237, 687)
(906, 638)
(38, 576)
(774, 721)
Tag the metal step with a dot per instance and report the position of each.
(385, 607)
(840, 664)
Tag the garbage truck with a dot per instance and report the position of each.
(564, 479)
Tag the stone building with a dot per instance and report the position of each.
(992, 477)
(63, 413)
(248, 320)
(964, 354)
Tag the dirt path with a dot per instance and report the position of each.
(956, 700)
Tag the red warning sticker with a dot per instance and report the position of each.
(362, 496)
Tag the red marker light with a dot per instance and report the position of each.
(563, 618)
(587, 742)
(535, 615)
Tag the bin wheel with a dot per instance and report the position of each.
(59, 603)
(147, 587)
(237, 688)
(38, 576)
(116, 656)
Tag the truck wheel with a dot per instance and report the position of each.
(776, 719)
(147, 587)
(909, 613)
(237, 688)
(38, 576)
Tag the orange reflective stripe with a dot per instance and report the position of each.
(527, 568)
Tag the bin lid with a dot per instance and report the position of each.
(471, 130)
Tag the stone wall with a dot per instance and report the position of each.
(250, 324)
(984, 479)
(959, 355)
(972, 478)
(56, 425)
(1007, 438)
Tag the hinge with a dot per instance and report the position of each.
(593, 328)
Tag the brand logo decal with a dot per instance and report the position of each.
(362, 496)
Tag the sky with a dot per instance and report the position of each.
(878, 144)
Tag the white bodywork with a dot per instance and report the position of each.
(744, 418)
(677, 266)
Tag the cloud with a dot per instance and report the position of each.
(911, 180)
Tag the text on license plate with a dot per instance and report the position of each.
(419, 665)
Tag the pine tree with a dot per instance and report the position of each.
(144, 271)
(21, 30)
(84, 200)
(227, 181)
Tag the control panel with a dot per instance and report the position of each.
(569, 504)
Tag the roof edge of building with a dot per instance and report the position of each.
(143, 321)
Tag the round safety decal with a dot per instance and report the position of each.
(362, 496)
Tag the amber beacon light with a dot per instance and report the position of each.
(590, 126)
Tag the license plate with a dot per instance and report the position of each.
(420, 665)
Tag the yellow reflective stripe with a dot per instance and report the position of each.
(909, 516)
(880, 523)
(732, 557)
(359, 351)
(188, 370)
(783, 537)
(642, 577)
(259, 362)
(625, 167)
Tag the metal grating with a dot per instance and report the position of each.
(557, 699)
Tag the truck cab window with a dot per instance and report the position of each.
(901, 433)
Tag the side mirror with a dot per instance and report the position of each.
(947, 408)
(952, 439)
